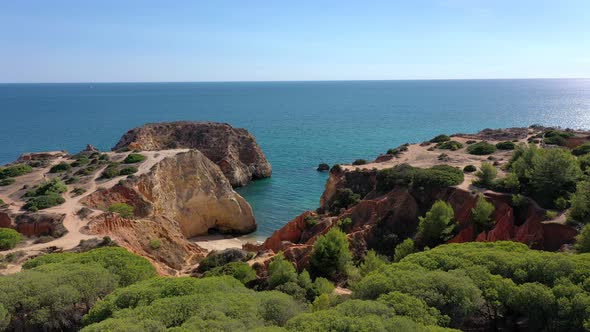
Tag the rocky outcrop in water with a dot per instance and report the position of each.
(234, 150)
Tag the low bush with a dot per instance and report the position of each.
(330, 255)
(469, 169)
(239, 270)
(55, 186)
(486, 175)
(155, 244)
(550, 215)
(9, 238)
(440, 139)
(72, 180)
(481, 148)
(133, 158)
(43, 202)
(78, 191)
(406, 175)
(359, 162)
(450, 145)
(506, 145)
(7, 182)
(581, 149)
(14, 171)
(128, 171)
(60, 168)
(123, 209)
(343, 199)
(111, 171)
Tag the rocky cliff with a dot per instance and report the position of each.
(381, 221)
(234, 150)
(179, 197)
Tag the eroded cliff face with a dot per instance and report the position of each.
(34, 224)
(159, 239)
(234, 150)
(187, 188)
(180, 197)
(381, 221)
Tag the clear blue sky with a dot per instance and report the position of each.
(249, 40)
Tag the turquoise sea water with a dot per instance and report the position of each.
(297, 124)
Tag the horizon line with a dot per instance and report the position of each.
(301, 81)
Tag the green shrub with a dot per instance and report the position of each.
(507, 184)
(404, 249)
(60, 168)
(239, 270)
(330, 255)
(9, 238)
(57, 289)
(481, 214)
(481, 148)
(72, 180)
(398, 150)
(406, 175)
(580, 210)
(372, 262)
(78, 191)
(280, 271)
(123, 209)
(450, 145)
(55, 186)
(440, 139)
(438, 224)
(128, 171)
(7, 182)
(557, 137)
(14, 171)
(359, 162)
(343, 199)
(155, 244)
(43, 202)
(110, 171)
(583, 240)
(518, 200)
(581, 149)
(554, 174)
(550, 215)
(486, 175)
(133, 158)
(507, 145)
(469, 169)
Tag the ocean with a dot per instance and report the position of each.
(297, 124)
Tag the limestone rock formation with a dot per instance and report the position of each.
(187, 188)
(234, 150)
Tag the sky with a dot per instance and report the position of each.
(250, 40)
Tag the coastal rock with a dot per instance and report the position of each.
(187, 188)
(234, 150)
(322, 167)
(90, 148)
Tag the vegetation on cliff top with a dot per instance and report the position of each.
(406, 175)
